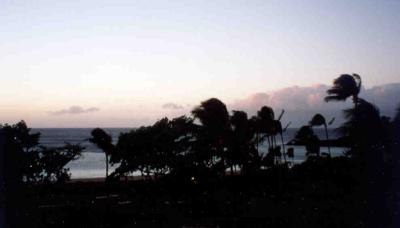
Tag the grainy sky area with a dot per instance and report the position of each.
(126, 63)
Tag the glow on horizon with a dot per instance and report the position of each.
(128, 58)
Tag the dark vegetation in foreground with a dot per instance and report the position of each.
(206, 171)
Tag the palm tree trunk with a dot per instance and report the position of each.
(257, 140)
(106, 182)
(355, 101)
(283, 148)
(106, 166)
(327, 139)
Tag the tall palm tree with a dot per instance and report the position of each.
(213, 115)
(319, 120)
(279, 129)
(266, 118)
(214, 118)
(254, 122)
(242, 136)
(345, 86)
(103, 141)
(363, 127)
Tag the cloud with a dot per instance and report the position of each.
(172, 106)
(301, 103)
(74, 110)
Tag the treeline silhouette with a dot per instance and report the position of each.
(208, 166)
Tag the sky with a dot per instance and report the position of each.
(127, 63)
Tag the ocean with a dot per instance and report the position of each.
(92, 162)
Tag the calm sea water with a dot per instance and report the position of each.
(92, 163)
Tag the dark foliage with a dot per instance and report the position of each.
(31, 163)
(344, 87)
(103, 141)
(306, 136)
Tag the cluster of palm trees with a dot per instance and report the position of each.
(210, 141)
(307, 137)
(366, 130)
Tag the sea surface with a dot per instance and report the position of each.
(92, 162)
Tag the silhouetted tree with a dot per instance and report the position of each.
(306, 136)
(363, 128)
(396, 130)
(278, 130)
(319, 120)
(104, 142)
(215, 128)
(154, 149)
(243, 151)
(270, 127)
(345, 86)
(266, 118)
(255, 125)
(54, 160)
(290, 153)
(29, 162)
(135, 151)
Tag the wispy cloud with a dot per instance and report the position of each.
(74, 110)
(172, 106)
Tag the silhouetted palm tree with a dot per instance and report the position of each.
(254, 122)
(345, 86)
(363, 127)
(396, 118)
(290, 153)
(243, 151)
(214, 118)
(280, 130)
(278, 127)
(306, 136)
(103, 141)
(319, 120)
(266, 118)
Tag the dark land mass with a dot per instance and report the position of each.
(279, 197)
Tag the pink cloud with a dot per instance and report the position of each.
(301, 103)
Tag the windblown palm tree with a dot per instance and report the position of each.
(319, 120)
(363, 127)
(243, 151)
(103, 141)
(345, 86)
(278, 127)
(254, 122)
(271, 127)
(214, 117)
(266, 118)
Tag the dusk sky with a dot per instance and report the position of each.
(127, 63)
